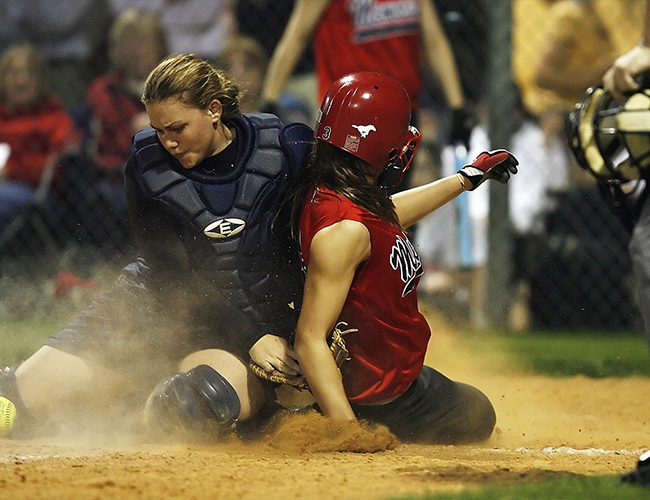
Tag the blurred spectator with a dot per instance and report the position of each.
(576, 51)
(201, 27)
(543, 170)
(561, 46)
(371, 35)
(265, 21)
(245, 61)
(452, 241)
(137, 43)
(293, 107)
(544, 167)
(35, 130)
(466, 24)
(621, 78)
(70, 35)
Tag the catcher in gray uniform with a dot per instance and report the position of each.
(609, 134)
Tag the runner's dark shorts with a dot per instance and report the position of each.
(435, 410)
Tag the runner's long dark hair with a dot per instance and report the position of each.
(344, 174)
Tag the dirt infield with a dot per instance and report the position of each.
(545, 427)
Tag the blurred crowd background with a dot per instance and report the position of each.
(70, 78)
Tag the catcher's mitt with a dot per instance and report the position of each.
(339, 351)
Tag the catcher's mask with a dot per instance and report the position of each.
(608, 139)
(367, 114)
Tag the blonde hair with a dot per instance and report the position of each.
(250, 48)
(13, 52)
(142, 22)
(194, 81)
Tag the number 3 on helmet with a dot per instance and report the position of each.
(367, 114)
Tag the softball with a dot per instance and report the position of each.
(8, 415)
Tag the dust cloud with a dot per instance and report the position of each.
(311, 432)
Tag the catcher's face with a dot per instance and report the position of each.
(190, 134)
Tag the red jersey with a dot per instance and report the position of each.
(113, 108)
(387, 352)
(36, 134)
(369, 35)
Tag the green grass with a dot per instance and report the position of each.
(563, 354)
(565, 488)
(21, 338)
(559, 354)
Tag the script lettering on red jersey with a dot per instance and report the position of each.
(404, 257)
(375, 20)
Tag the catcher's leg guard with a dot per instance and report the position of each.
(200, 401)
(23, 425)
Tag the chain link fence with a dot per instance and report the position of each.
(577, 265)
(577, 272)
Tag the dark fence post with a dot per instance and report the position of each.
(501, 107)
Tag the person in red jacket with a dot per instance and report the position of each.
(361, 270)
(138, 41)
(35, 130)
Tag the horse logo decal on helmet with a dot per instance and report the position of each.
(364, 130)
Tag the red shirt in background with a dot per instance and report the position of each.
(36, 134)
(113, 108)
(370, 35)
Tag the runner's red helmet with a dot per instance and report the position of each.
(367, 114)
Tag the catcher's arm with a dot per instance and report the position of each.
(273, 354)
(336, 252)
(620, 80)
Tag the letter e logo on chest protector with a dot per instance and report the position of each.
(224, 228)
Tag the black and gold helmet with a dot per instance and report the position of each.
(609, 139)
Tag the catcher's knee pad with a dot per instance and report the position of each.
(198, 401)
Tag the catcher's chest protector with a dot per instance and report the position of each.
(232, 213)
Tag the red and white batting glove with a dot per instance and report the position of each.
(497, 165)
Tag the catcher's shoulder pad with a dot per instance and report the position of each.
(295, 140)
